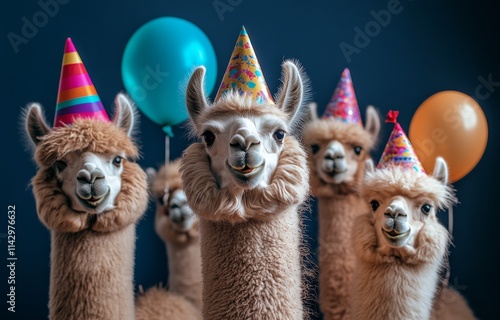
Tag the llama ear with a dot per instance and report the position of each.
(372, 122)
(124, 113)
(35, 124)
(369, 166)
(313, 111)
(291, 94)
(441, 171)
(195, 95)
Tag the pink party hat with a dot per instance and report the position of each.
(398, 149)
(243, 73)
(77, 97)
(343, 105)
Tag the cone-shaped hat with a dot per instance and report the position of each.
(398, 149)
(343, 105)
(243, 73)
(77, 97)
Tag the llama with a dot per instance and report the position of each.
(90, 195)
(247, 183)
(176, 224)
(400, 245)
(338, 147)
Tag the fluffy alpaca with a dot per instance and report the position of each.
(400, 245)
(246, 183)
(177, 225)
(337, 155)
(90, 196)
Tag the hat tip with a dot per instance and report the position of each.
(70, 47)
(346, 73)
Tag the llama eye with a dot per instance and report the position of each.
(315, 148)
(60, 165)
(208, 137)
(426, 208)
(374, 204)
(357, 150)
(279, 135)
(117, 161)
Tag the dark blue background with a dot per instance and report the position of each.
(428, 47)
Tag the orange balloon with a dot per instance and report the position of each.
(452, 125)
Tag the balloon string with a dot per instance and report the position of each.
(167, 162)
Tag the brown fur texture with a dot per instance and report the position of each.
(399, 283)
(158, 303)
(338, 206)
(168, 174)
(250, 243)
(183, 246)
(92, 257)
(451, 305)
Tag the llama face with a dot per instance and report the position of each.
(335, 162)
(179, 213)
(90, 181)
(339, 149)
(399, 219)
(244, 150)
(244, 140)
(403, 202)
(85, 157)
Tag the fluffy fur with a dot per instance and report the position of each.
(92, 258)
(400, 281)
(183, 246)
(183, 298)
(247, 187)
(338, 206)
(251, 269)
(158, 303)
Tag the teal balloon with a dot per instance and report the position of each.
(157, 62)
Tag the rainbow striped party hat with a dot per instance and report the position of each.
(243, 73)
(398, 149)
(343, 105)
(77, 97)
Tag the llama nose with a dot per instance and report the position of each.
(334, 151)
(396, 213)
(89, 173)
(333, 154)
(243, 139)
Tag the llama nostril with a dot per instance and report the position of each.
(84, 176)
(97, 174)
(396, 213)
